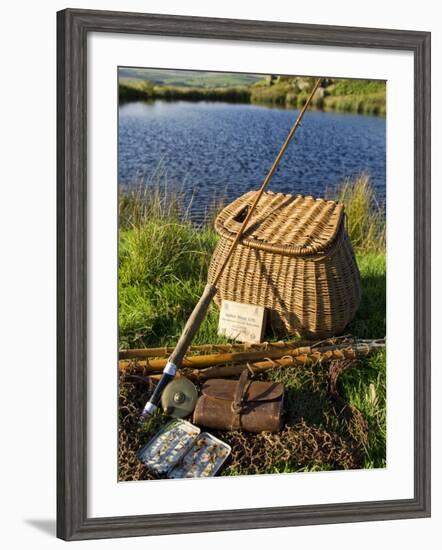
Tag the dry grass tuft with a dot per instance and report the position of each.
(365, 217)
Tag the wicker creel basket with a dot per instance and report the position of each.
(295, 258)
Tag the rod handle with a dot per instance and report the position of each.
(154, 400)
(192, 325)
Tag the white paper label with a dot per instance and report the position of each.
(242, 322)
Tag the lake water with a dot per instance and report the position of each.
(220, 149)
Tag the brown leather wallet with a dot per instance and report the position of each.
(244, 404)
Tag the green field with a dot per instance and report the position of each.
(202, 79)
(163, 263)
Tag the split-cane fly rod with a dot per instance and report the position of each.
(199, 312)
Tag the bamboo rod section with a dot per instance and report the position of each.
(259, 361)
(165, 351)
(203, 361)
(354, 352)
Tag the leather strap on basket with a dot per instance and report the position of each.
(238, 399)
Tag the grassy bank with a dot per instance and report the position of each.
(355, 96)
(146, 91)
(163, 261)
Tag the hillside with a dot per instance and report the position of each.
(199, 79)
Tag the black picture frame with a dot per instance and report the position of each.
(73, 26)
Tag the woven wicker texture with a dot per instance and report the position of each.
(295, 259)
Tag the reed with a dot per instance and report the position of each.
(365, 217)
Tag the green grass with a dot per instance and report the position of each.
(356, 96)
(366, 389)
(163, 262)
(352, 86)
(365, 218)
(372, 104)
(370, 318)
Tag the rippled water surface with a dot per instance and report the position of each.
(220, 149)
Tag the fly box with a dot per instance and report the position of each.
(179, 450)
(203, 459)
(170, 444)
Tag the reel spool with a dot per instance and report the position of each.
(179, 398)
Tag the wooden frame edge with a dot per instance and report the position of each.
(72, 29)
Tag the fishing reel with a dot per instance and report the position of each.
(179, 397)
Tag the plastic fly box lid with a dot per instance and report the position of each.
(203, 459)
(168, 446)
(181, 451)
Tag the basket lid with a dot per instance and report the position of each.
(286, 224)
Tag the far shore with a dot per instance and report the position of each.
(362, 97)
